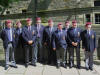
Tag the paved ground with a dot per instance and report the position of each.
(50, 70)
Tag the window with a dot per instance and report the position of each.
(7, 12)
(88, 18)
(96, 3)
(97, 18)
(24, 11)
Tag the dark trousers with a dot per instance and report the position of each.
(9, 55)
(71, 56)
(60, 54)
(51, 55)
(28, 50)
(19, 53)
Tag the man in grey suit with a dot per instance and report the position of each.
(38, 51)
(8, 37)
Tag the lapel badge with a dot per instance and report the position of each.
(33, 32)
(78, 34)
(92, 36)
(63, 37)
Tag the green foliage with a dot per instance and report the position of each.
(5, 3)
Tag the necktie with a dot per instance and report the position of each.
(75, 31)
(50, 29)
(89, 32)
(19, 30)
(60, 33)
(38, 29)
(29, 28)
(66, 29)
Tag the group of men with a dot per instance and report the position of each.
(48, 44)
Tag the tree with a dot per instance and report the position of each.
(4, 4)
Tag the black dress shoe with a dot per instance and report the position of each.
(34, 64)
(58, 66)
(91, 68)
(78, 67)
(6, 67)
(87, 69)
(64, 65)
(26, 65)
(14, 66)
(70, 66)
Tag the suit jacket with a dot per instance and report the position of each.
(47, 35)
(4, 37)
(18, 37)
(59, 41)
(28, 35)
(74, 36)
(88, 41)
(41, 31)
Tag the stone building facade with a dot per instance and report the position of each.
(58, 10)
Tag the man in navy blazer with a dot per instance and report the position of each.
(74, 39)
(19, 51)
(89, 45)
(29, 39)
(38, 49)
(8, 37)
(47, 40)
(60, 45)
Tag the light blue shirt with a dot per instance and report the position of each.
(10, 34)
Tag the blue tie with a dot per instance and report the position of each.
(60, 33)
(75, 31)
(38, 29)
(88, 32)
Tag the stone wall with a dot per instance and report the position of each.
(59, 4)
(29, 5)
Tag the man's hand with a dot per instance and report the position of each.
(45, 43)
(75, 44)
(30, 42)
(84, 49)
(54, 49)
(95, 49)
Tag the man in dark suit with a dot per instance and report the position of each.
(38, 49)
(66, 28)
(8, 37)
(74, 44)
(19, 53)
(29, 37)
(47, 39)
(89, 45)
(60, 45)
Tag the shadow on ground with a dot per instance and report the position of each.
(2, 63)
(97, 62)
